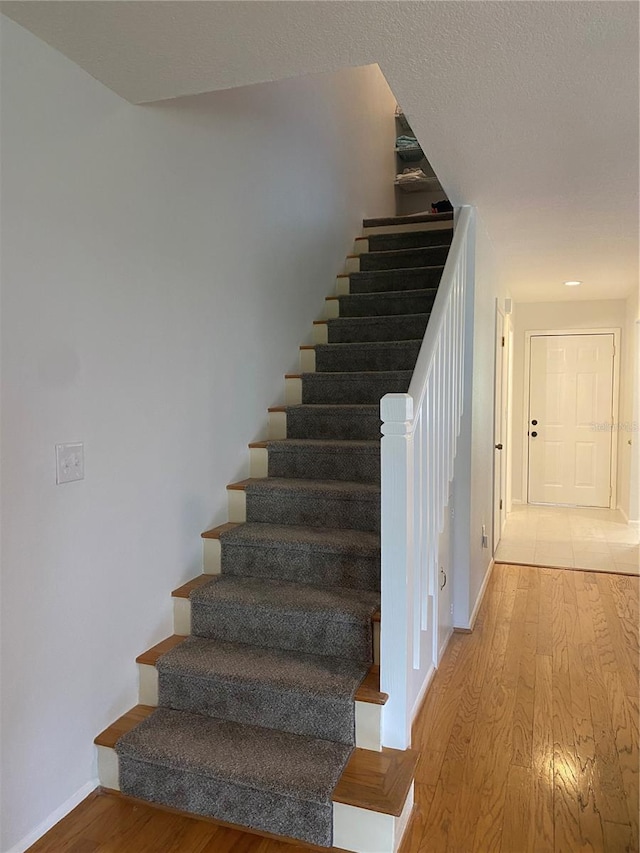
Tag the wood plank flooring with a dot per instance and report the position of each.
(528, 737)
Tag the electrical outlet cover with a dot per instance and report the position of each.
(69, 462)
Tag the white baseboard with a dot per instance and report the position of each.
(479, 599)
(423, 692)
(54, 817)
(631, 522)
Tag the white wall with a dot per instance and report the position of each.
(473, 481)
(160, 266)
(575, 314)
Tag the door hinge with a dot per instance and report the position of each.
(503, 340)
(500, 503)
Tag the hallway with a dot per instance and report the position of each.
(529, 736)
(570, 537)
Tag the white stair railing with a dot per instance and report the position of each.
(419, 437)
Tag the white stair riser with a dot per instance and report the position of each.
(292, 391)
(211, 556)
(354, 829)
(442, 225)
(108, 768)
(368, 715)
(237, 503)
(365, 831)
(352, 264)
(181, 617)
(258, 462)
(307, 361)
(277, 425)
(343, 285)
(360, 246)
(320, 333)
(182, 624)
(331, 309)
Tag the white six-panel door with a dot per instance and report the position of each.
(570, 435)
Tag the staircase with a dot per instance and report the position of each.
(264, 709)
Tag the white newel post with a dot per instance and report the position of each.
(396, 535)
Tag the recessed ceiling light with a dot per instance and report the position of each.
(572, 283)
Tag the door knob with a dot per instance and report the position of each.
(534, 434)
(498, 446)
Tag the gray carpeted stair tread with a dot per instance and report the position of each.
(314, 503)
(357, 387)
(278, 614)
(324, 488)
(317, 675)
(367, 356)
(387, 303)
(291, 445)
(327, 421)
(317, 459)
(322, 556)
(333, 541)
(291, 691)
(394, 327)
(395, 280)
(410, 239)
(397, 259)
(266, 779)
(346, 605)
(406, 219)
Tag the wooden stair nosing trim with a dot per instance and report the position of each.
(185, 590)
(240, 486)
(109, 792)
(123, 725)
(277, 409)
(369, 691)
(308, 346)
(376, 781)
(151, 656)
(328, 299)
(322, 322)
(258, 445)
(293, 376)
(215, 532)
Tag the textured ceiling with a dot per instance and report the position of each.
(527, 109)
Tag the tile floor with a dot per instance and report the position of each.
(570, 537)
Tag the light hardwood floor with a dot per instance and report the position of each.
(529, 737)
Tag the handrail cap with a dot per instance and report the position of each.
(396, 408)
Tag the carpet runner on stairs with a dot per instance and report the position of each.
(256, 716)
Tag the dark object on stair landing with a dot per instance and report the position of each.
(441, 206)
(257, 712)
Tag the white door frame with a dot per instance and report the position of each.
(616, 402)
(499, 375)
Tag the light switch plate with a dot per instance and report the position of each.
(69, 462)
